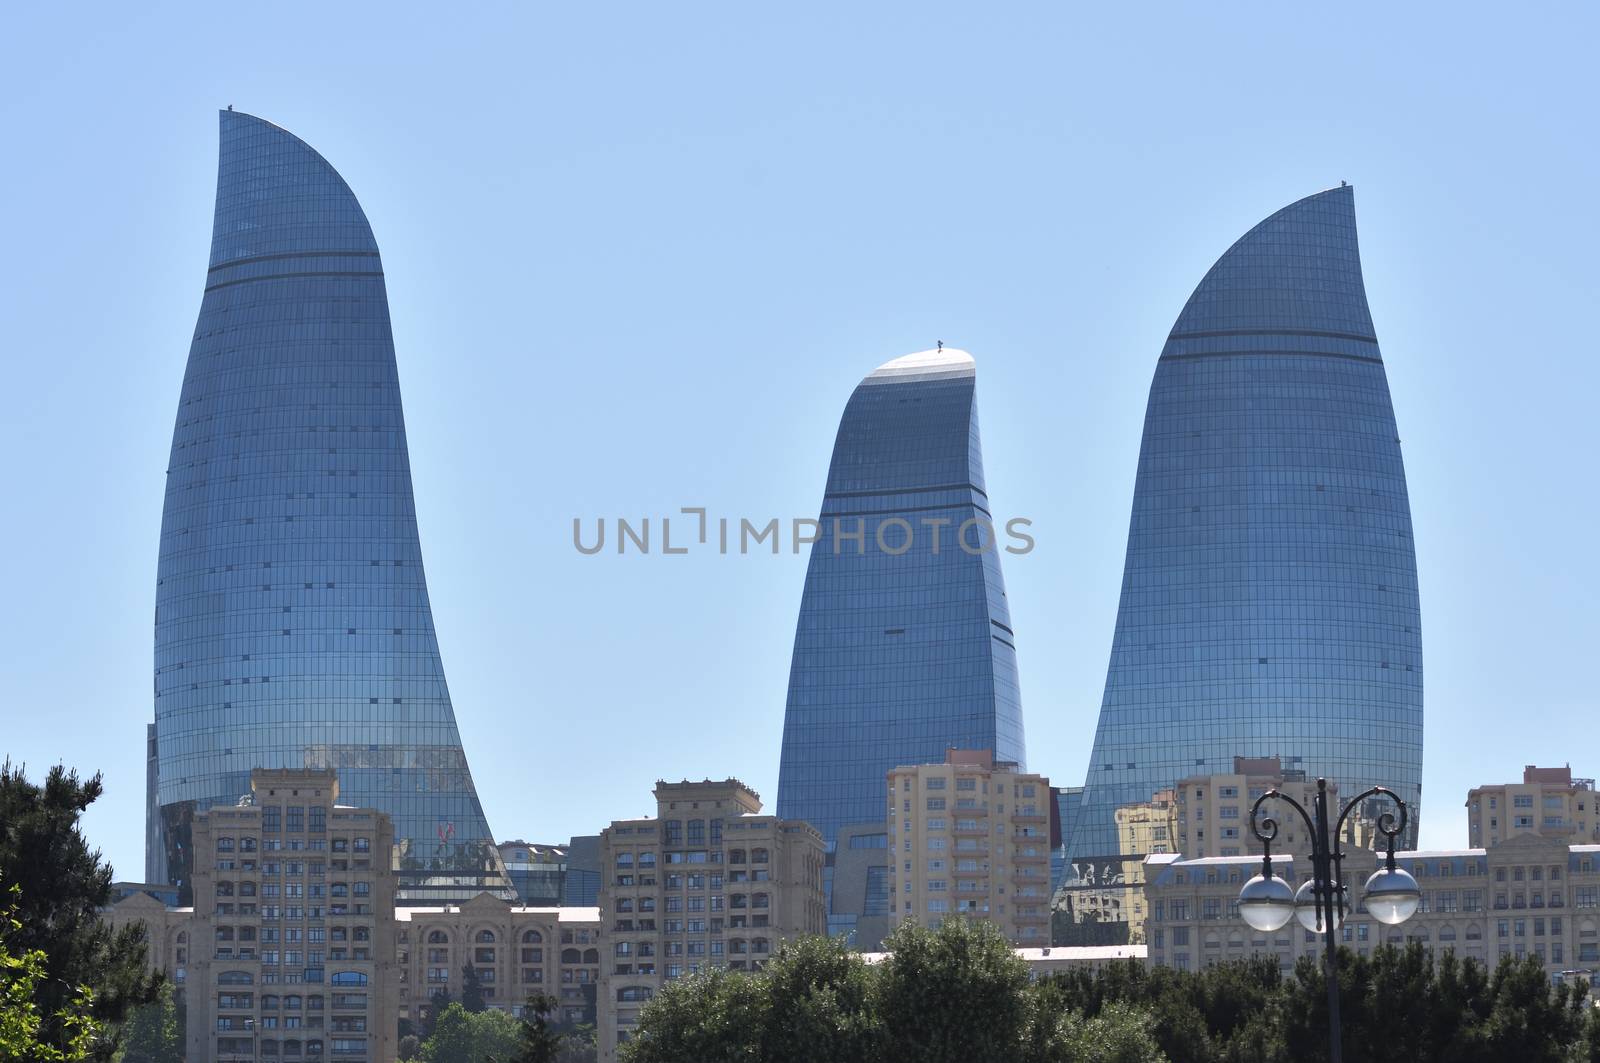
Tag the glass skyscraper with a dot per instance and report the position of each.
(292, 623)
(904, 645)
(1269, 598)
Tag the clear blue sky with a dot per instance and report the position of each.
(639, 257)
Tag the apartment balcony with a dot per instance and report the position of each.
(979, 830)
(978, 889)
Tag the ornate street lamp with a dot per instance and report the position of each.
(1267, 903)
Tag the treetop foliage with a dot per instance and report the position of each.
(959, 994)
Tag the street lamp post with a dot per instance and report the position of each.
(1267, 902)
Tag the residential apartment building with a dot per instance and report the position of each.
(1213, 811)
(1527, 896)
(708, 881)
(1201, 815)
(971, 837)
(514, 951)
(1549, 802)
(289, 950)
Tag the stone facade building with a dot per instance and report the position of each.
(971, 836)
(706, 882)
(289, 950)
(515, 952)
(1528, 896)
(1548, 802)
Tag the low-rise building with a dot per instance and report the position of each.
(708, 881)
(971, 837)
(1528, 896)
(538, 872)
(513, 951)
(1548, 802)
(1092, 958)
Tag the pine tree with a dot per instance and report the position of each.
(540, 1042)
(471, 990)
(64, 885)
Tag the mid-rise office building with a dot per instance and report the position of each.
(1548, 802)
(1269, 602)
(707, 881)
(970, 836)
(904, 646)
(538, 872)
(292, 625)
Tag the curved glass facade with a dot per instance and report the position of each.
(1269, 598)
(292, 623)
(904, 646)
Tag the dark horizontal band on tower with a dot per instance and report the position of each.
(291, 254)
(292, 276)
(907, 491)
(1189, 356)
(905, 509)
(1358, 337)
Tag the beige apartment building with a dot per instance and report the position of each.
(289, 950)
(1213, 811)
(1200, 816)
(971, 837)
(1549, 802)
(515, 952)
(708, 881)
(1528, 896)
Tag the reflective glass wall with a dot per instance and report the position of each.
(1269, 598)
(904, 645)
(292, 621)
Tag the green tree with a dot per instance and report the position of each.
(28, 1034)
(714, 1017)
(64, 886)
(410, 1047)
(540, 1041)
(579, 1045)
(438, 1001)
(460, 1036)
(1120, 1033)
(819, 1004)
(154, 1032)
(952, 995)
(471, 989)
